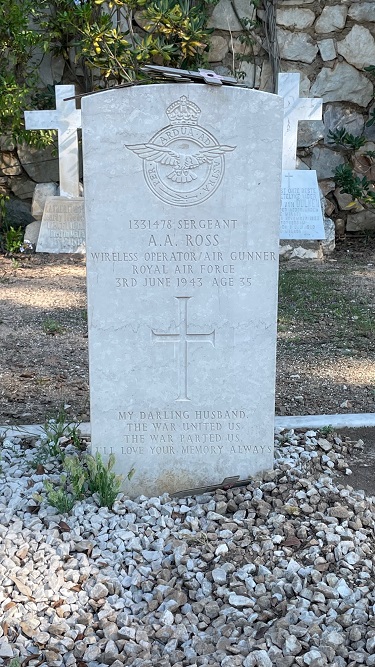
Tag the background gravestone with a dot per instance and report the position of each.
(301, 211)
(63, 226)
(66, 119)
(182, 280)
(62, 229)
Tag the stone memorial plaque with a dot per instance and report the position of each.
(182, 267)
(63, 226)
(301, 209)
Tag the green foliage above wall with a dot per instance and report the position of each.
(103, 43)
(18, 42)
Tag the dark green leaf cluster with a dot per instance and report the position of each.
(342, 138)
(359, 188)
(13, 239)
(371, 120)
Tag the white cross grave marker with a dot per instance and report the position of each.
(66, 119)
(301, 213)
(296, 108)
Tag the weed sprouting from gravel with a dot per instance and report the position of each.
(51, 326)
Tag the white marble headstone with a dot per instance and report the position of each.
(182, 260)
(63, 226)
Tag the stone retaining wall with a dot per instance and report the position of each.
(329, 45)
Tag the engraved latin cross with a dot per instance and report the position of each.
(295, 109)
(66, 119)
(288, 177)
(181, 340)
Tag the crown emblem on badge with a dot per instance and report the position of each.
(183, 111)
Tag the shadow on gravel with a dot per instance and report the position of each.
(362, 463)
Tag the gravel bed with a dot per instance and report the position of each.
(280, 572)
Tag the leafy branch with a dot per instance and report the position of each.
(342, 138)
(360, 189)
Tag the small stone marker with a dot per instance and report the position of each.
(63, 226)
(301, 211)
(182, 280)
(66, 119)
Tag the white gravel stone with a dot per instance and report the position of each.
(221, 550)
(258, 658)
(240, 601)
(167, 618)
(138, 588)
(98, 591)
(219, 575)
(6, 650)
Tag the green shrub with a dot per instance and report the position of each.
(13, 239)
(102, 480)
(60, 497)
(83, 477)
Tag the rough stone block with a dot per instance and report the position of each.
(224, 18)
(18, 212)
(339, 116)
(295, 18)
(327, 49)
(331, 19)
(22, 186)
(218, 49)
(32, 232)
(362, 11)
(9, 165)
(296, 46)
(41, 165)
(343, 83)
(41, 193)
(345, 202)
(358, 47)
(358, 222)
(310, 132)
(325, 161)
